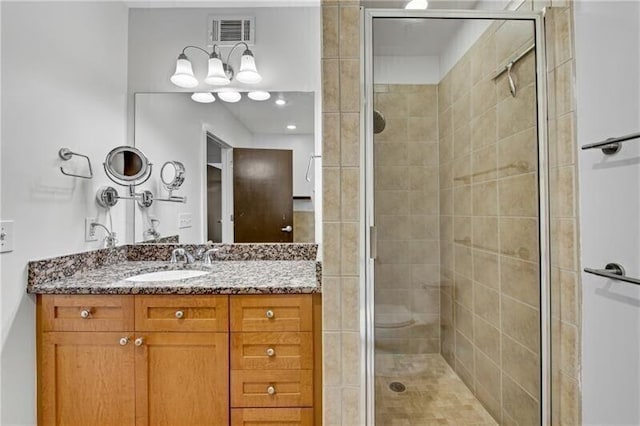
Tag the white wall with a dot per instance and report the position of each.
(607, 38)
(64, 81)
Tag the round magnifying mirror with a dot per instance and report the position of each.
(172, 174)
(126, 163)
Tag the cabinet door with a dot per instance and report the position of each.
(86, 379)
(182, 379)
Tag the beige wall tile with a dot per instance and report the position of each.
(485, 199)
(331, 139)
(350, 304)
(332, 359)
(522, 365)
(350, 31)
(487, 304)
(483, 164)
(517, 114)
(351, 406)
(487, 338)
(488, 374)
(330, 31)
(332, 406)
(464, 321)
(520, 280)
(564, 89)
(350, 248)
(518, 404)
(518, 154)
(350, 184)
(485, 233)
(331, 200)
(330, 85)
(464, 354)
(484, 129)
(331, 304)
(519, 195)
(350, 359)
(485, 269)
(519, 238)
(521, 322)
(331, 256)
(350, 139)
(350, 85)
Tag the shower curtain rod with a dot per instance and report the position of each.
(513, 61)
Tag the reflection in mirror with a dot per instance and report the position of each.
(248, 168)
(126, 163)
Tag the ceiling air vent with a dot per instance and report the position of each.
(228, 30)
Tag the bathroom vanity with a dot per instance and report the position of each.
(239, 344)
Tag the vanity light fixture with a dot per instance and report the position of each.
(219, 73)
(259, 95)
(417, 5)
(229, 95)
(292, 127)
(203, 97)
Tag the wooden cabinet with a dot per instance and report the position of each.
(179, 360)
(84, 377)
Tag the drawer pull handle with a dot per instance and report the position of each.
(124, 341)
(271, 390)
(85, 313)
(179, 314)
(270, 314)
(139, 341)
(271, 352)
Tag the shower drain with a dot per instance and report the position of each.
(397, 387)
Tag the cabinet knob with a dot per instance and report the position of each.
(139, 341)
(271, 352)
(179, 314)
(271, 390)
(270, 314)
(124, 341)
(85, 313)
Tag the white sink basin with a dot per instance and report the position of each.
(180, 274)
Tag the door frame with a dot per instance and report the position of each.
(367, 227)
(227, 185)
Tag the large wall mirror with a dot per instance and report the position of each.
(250, 169)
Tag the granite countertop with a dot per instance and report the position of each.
(224, 277)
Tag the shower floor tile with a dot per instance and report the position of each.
(434, 394)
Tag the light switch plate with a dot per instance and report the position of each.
(184, 220)
(89, 232)
(6, 236)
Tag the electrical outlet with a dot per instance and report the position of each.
(90, 231)
(184, 220)
(6, 236)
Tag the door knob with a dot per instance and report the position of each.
(287, 228)
(124, 341)
(139, 341)
(271, 390)
(269, 314)
(179, 314)
(85, 313)
(271, 352)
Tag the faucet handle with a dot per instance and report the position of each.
(175, 253)
(207, 255)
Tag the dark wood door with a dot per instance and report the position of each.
(262, 195)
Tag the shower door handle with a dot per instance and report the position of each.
(373, 242)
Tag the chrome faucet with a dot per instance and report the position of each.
(188, 257)
(207, 255)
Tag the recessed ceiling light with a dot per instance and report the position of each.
(203, 97)
(417, 5)
(281, 102)
(292, 127)
(259, 95)
(229, 96)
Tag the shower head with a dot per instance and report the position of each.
(379, 123)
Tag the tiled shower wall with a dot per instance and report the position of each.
(490, 316)
(407, 289)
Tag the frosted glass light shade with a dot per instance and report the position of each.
(230, 96)
(216, 75)
(183, 77)
(248, 73)
(203, 97)
(417, 5)
(259, 95)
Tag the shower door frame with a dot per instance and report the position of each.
(367, 229)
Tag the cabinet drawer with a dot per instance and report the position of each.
(272, 351)
(182, 313)
(272, 416)
(87, 313)
(271, 313)
(271, 388)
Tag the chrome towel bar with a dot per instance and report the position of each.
(614, 271)
(612, 145)
(66, 154)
